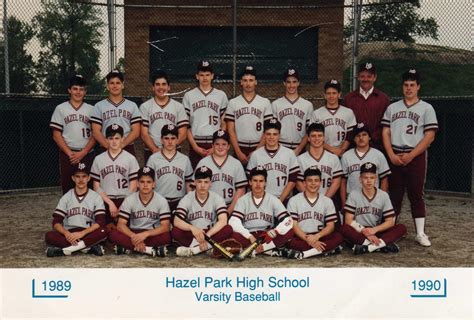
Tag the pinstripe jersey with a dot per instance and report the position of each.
(171, 174)
(369, 212)
(351, 163)
(225, 178)
(79, 213)
(259, 217)
(282, 167)
(205, 112)
(125, 114)
(248, 117)
(337, 123)
(201, 214)
(409, 123)
(155, 116)
(328, 163)
(144, 216)
(74, 124)
(115, 174)
(312, 217)
(294, 117)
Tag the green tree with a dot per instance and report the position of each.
(70, 34)
(21, 64)
(393, 22)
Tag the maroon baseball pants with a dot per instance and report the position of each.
(390, 235)
(66, 170)
(185, 238)
(196, 157)
(56, 239)
(117, 237)
(332, 241)
(279, 240)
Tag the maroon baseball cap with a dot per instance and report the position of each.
(221, 134)
(368, 167)
(368, 66)
(291, 72)
(361, 127)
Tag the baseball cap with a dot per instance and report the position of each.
(77, 80)
(221, 134)
(113, 129)
(291, 72)
(411, 74)
(333, 83)
(249, 70)
(169, 129)
(361, 127)
(81, 167)
(312, 171)
(272, 123)
(203, 173)
(367, 66)
(258, 171)
(368, 167)
(204, 66)
(146, 171)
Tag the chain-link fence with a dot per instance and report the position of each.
(43, 42)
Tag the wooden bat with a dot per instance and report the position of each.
(219, 248)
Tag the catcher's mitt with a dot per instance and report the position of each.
(231, 245)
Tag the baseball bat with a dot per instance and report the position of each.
(247, 251)
(219, 248)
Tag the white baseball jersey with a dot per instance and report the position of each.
(74, 124)
(266, 215)
(205, 112)
(369, 212)
(225, 178)
(171, 174)
(248, 117)
(115, 174)
(409, 123)
(328, 163)
(351, 162)
(294, 117)
(155, 116)
(202, 215)
(312, 217)
(281, 165)
(144, 216)
(79, 212)
(337, 124)
(125, 114)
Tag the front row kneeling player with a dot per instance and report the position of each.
(369, 216)
(144, 220)
(314, 220)
(78, 220)
(259, 214)
(200, 212)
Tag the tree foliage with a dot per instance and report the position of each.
(69, 34)
(21, 65)
(393, 22)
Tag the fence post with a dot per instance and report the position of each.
(357, 10)
(5, 45)
(234, 49)
(112, 33)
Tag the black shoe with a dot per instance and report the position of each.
(96, 250)
(54, 252)
(291, 253)
(390, 248)
(120, 250)
(160, 251)
(360, 249)
(338, 250)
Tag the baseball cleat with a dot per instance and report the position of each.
(360, 249)
(337, 250)
(54, 252)
(184, 252)
(423, 240)
(159, 251)
(390, 248)
(96, 250)
(291, 253)
(273, 253)
(120, 250)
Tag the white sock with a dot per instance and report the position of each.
(311, 252)
(373, 247)
(420, 226)
(149, 250)
(197, 249)
(194, 243)
(366, 242)
(268, 246)
(69, 250)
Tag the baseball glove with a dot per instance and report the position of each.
(231, 245)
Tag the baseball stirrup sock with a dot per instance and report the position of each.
(420, 226)
(149, 250)
(69, 250)
(268, 246)
(373, 247)
(311, 252)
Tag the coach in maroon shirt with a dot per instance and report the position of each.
(368, 103)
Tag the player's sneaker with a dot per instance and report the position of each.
(291, 253)
(360, 249)
(390, 248)
(273, 253)
(96, 250)
(184, 252)
(337, 250)
(54, 252)
(120, 250)
(159, 251)
(423, 240)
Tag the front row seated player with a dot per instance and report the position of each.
(200, 212)
(78, 220)
(144, 220)
(370, 218)
(314, 221)
(261, 214)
